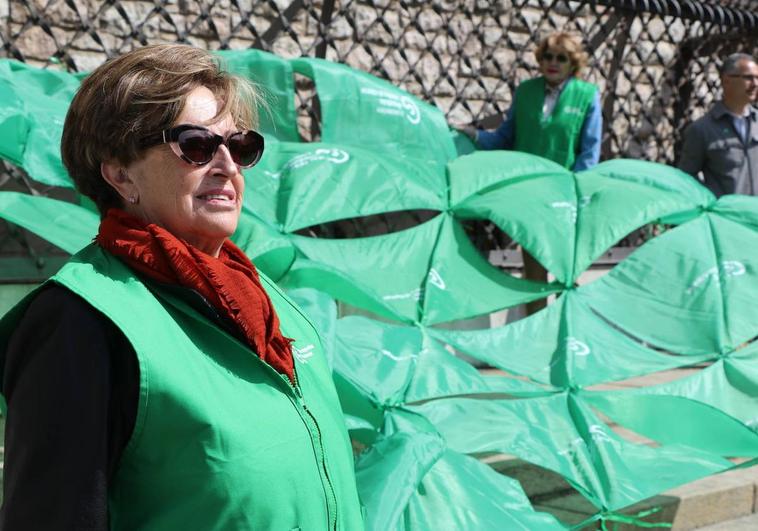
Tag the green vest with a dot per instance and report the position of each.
(555, 137)
(221, 440)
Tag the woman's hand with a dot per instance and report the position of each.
(468, 130)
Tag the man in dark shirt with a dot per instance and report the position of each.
(723, 144)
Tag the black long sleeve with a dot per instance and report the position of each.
(71, 381)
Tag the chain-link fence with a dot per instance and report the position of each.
(655, 61)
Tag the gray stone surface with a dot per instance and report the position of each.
(715, 499)
(746, 523)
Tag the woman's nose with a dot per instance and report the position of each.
(223, 160)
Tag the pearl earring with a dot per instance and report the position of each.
(132, 199)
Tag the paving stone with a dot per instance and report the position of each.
(537, 482)
(665, 509)
(568, 517)
(715, 499)
(746, 523)
(659, 377)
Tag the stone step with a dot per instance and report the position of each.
(746, 523)
(715, 499)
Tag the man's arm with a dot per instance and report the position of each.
(504, 136)
(692, 157)
(590, 136)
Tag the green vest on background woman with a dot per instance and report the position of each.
(222, 441)
(554, 137)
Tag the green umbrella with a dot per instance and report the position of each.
(34, 107)
(66, 225)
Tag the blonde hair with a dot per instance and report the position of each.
(569, 42)
(138, 94)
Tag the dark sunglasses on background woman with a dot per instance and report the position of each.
(549, 56)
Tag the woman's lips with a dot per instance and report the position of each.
(217, 196)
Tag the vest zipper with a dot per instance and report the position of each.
(299, 394)
(326, 471)
(330, 494)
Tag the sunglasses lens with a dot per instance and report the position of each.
(197, 145)
(549, 56)
(246, 148)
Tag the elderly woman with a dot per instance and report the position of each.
(151, 383)
(555, 115)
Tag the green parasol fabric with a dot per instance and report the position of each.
(66, 225)
(689, 291)
(565, 220)
(563, 434)
(274, 78)
(34, 107)
(566, 345)
(358, 109)
(319, 183)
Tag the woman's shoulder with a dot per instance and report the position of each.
(54, 301)
(61, 337)
(584, 85)
(48, 305)
(56, 312)
(531, 82)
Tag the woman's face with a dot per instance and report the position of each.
(555, 65)
(199, 204)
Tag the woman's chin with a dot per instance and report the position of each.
(209, 231)
(221, 215)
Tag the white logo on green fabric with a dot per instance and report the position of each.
(573, 110)
(599, 435)
(391, 356)
(436, 279)
(333, 155)
(394, 104)
(572, 208)
(576, 347)
(727, 268)
(414, 294)
(303, 354)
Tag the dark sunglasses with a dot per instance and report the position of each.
(549, 56)
(197, 145)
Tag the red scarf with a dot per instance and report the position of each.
(230, 282)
